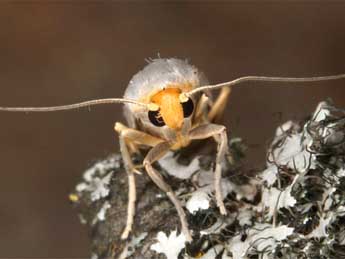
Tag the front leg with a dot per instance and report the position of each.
(130, 169)
(155, 154)
(128, 136)
(136, 137)
(219, 133)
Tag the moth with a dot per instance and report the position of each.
(167, 105)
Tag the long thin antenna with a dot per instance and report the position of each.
(264, 78)
(71, 106)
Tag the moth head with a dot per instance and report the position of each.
(168, 109)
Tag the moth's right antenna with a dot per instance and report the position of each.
(72, 106)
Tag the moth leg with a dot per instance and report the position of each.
(218, 107)
(201, 108)
(130, 169)
(129, 138)
(218, 132)
(136, 136)
(154, 154)
(132, 147)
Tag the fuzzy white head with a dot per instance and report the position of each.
(160, 85)
(160, 74)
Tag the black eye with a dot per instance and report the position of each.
(156, 119)
(188, 108)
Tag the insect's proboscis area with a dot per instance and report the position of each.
(72, 106)
(264, 78)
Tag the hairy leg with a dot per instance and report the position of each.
(131, 187)
(154, 154)
(136, 136)
(200, 109)
(218, 107)
(219, 133)
(129, 139)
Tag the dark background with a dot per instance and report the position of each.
(60, 53)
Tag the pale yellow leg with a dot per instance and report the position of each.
(219, 133)
(218, 107)
(154, 154)
(159, 149)
(128, 140)
(131, 187)
(136, 136)
(200, 109)
(132, 147)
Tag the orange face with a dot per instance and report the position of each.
(170, 107)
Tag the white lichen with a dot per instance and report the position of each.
(294, 153)
(274, 199)
(169, 246)
(200, 200)
(291, 151)
(103, 211)
(321, 229)
(132, 245)
(172, 167)
(102, 167)
(321, 112)
(97, 178)
(269, 175)
(261, 237)
(99, 187)
(238, 248)
(328, 198)
(218, 226)
(212, 253)
(341, 172)
(245, 216)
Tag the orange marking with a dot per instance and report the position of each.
(184, 88)
(170, 107)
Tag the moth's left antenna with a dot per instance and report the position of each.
(263, 79)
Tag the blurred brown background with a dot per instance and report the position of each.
(60, 53)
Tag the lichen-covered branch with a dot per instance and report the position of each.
(295, 208)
